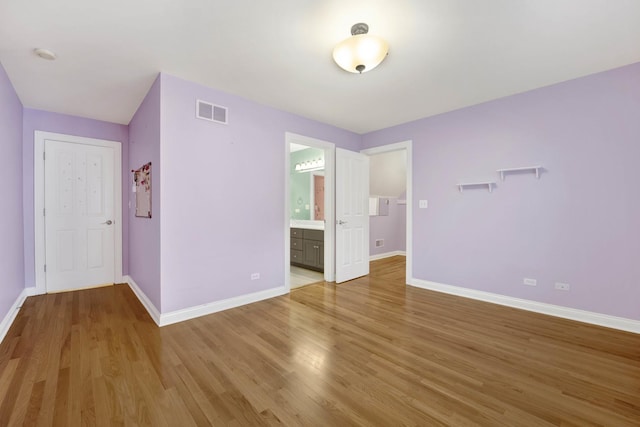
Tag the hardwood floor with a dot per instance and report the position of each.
(368, 352)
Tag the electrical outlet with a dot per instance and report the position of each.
(423, 204)
(529, 282)
(255, 276)
(562, 286)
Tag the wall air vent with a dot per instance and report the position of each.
(211, 112)
(379, 243)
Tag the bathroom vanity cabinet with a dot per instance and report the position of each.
(307, 248)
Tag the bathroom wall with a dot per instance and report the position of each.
(300, 183)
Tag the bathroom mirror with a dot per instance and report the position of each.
(307, 184)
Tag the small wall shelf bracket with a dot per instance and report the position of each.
(535, 169)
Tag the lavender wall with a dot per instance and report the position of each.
(71, 125)
(144, 233)
(11, 261)
(391, 228)
(577, 224)
(223, 194)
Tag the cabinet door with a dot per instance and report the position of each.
(310, 253)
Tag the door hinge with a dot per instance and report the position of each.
(45, 268)
(44, 155)
(44, 211)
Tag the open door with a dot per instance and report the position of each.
(352, 215)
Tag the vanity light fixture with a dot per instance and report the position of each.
(310, 165)
(361, 52)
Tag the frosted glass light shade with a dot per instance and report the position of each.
(360, 53)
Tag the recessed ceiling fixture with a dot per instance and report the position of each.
(361, 52)
(45, 54)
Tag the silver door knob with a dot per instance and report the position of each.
(341, 222)
(108, 222)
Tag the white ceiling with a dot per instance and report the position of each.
(444, 54)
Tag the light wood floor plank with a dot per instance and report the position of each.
(372, 351)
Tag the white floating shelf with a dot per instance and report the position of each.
(535, 169)
(489, 184)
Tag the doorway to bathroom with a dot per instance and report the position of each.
(309, 228)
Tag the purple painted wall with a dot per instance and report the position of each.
(71, 125)
(577, 224)
(223, 194)
(144, 233)
(11, 222)
(391, 228)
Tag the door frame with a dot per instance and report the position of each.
(404, 145)
(312, 191)
(329, 206)
(39, 203)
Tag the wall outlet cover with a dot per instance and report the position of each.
(563, 286)
(255, 276)
(424, 204)
(529, 282)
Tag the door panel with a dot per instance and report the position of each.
(79, 201)
(352, 215)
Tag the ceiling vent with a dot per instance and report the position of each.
(211, 112)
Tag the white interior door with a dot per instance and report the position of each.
(79, 215)
(352, 215)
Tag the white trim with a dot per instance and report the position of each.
(144, 300)
(216, 306)
(164, 319)
(13, 311)
(38, 202)
(387, 255)
(404, 145)
(605, 320)
(329, 210)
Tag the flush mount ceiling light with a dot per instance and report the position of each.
(45, 54)
(361, 52)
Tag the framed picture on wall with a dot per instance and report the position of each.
(142, 188)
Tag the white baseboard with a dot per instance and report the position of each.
(13, 311)
(387, 255)
(164, 319)
(605, 320)
(146, 302)
(213, 307)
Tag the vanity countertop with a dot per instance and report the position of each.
(309, 225)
